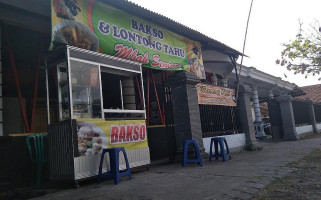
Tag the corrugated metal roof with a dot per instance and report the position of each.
(161, 20)
(144, 13)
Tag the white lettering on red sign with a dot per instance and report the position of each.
(127, 133)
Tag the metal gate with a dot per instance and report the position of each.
(160, 121)
(169, 121)
(219, 120)
(275, 119)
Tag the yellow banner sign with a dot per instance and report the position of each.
(215, 95)
(94, 135)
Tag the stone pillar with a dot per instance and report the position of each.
(245, 114)
(312, 116)
(128, 93)
(287, 117)
(1, 100)
(283, 92)
(186, 110)
(258, 120)
(270, 94)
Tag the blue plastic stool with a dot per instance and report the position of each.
(198, 158)
(222, 154)
(114, 165)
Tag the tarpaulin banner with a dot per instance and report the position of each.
(96, 134)
(215, 95)
(96, 26)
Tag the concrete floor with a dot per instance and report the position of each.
(239, 178)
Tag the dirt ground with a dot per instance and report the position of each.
(303, 183)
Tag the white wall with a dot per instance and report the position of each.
(304, 129)
(236, 141)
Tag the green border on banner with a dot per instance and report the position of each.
(96, 26)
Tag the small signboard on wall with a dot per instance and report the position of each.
(215, 95)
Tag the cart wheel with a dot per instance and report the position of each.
(76, 184)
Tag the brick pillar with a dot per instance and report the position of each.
(312, 116)
(186, 110)
(287, 117)
(244, 104)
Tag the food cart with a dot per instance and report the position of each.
(100, 104)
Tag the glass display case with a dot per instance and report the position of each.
(63, 91)
(86, 92)
(98, 91)
(100, 105)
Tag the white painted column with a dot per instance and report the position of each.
(258, 120)
(256, 104)
(1, 99)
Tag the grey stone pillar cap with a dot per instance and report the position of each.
(285, 97)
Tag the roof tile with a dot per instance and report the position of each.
(313, 92)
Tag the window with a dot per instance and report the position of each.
(122, 97)
(100, 86)
(85, 87)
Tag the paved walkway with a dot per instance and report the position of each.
(240, 178)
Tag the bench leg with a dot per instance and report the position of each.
(211, 151)
(228, 150)
(216, 150)
(222, 151)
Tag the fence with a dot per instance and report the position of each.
(219, 120)
(301, 112)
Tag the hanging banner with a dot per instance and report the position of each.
(215, 95)
(95, 26)
(94, 135)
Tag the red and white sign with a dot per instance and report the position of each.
(127, 133)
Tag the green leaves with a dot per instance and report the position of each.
(303, 55)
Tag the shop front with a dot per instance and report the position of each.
(103, 83)
(100, 84)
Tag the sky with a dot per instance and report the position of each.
(272, 23)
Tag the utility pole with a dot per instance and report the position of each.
(247, 25)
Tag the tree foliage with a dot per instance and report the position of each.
(303, 55)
